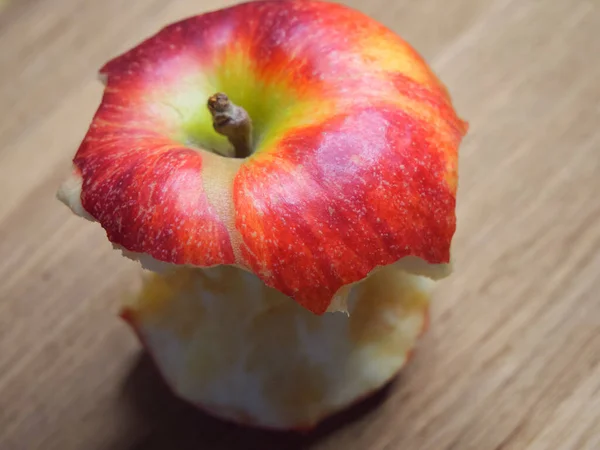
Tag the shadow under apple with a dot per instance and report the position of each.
(169, 423)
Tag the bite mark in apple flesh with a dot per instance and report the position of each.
(244, 352)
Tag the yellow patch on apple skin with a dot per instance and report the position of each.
(274, 105)
(388, 53)
(451, 175)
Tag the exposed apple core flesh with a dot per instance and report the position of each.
(242, 351)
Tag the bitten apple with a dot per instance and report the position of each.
(279, 159)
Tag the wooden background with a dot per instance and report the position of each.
(512, 360)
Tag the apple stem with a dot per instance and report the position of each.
(233, 122)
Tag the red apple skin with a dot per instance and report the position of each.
(153, 200)
(372, 195)
(368, 180)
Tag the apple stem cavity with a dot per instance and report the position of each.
(233, 122)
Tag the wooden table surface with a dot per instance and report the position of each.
(512, 360)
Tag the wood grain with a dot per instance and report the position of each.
(512, 360)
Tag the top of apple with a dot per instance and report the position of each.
(353, 149)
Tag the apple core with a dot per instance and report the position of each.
(277, 160)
